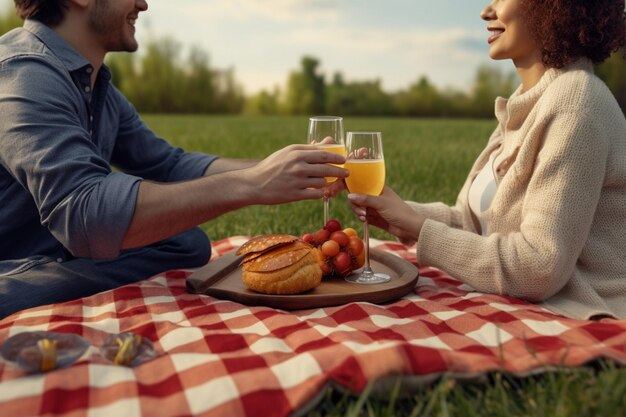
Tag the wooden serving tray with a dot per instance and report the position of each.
(222, 279)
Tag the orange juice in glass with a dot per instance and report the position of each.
(366, 164)
(367, 176)
(338, 148)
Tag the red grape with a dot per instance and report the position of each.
(322, 236)
(332, 225)
(330, 248)
(341, 238)
(308, 238)
(339, 251)
(355, 247)
(342, 263)
(358, 260)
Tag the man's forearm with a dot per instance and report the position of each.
(293, 173)
(225, 164)
(163, 210)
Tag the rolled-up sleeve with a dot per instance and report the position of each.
(92, 222)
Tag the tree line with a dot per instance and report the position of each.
(160, 80)
(308, 92)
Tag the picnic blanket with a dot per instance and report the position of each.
(221, 358)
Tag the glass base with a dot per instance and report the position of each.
(368, 277)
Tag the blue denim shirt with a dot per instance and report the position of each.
(58, 142)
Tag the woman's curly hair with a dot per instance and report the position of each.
(570, 29)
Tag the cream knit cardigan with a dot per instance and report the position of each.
(556, 231)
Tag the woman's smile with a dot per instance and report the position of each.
(495, 33)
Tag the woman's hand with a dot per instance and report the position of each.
(388, 212)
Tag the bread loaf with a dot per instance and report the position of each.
(280, 264)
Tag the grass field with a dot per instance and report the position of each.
(426, 160)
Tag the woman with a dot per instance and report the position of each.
(542, 215)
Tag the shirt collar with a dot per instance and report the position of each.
(69, 56)
(59, 47)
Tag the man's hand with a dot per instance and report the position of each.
(296, 172)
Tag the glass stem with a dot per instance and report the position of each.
(326, 210)
(366, 239)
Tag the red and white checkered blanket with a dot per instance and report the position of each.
(221, 358)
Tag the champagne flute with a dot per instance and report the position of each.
(327, 133)
(366, 164)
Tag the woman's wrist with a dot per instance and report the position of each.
(415, 224)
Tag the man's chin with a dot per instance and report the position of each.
(127, 47)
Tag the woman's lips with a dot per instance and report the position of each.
(495, 34)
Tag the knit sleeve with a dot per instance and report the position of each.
(448, 215)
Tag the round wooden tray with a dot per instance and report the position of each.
(222, 279)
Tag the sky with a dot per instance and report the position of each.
(394, 41)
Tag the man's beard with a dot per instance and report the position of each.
(104, 21)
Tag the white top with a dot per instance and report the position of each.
(481, 193)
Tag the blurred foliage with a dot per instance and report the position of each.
(306, 89)
(613, 72)
(357, 98)
(9, 20)
(308, 93)
(160, 80)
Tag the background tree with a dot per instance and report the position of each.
(229, 97)
(457, 103)
(162, 86)
(613, 72)
(123, 70)
(490, 83)
(9, 20)
(264, 103)
(359, 98)
(160, 81)
(421, 99)
(198, 86)
(306, 89)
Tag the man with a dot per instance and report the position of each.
(70, 226)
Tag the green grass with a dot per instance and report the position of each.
(587, 391)
(427, 160)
